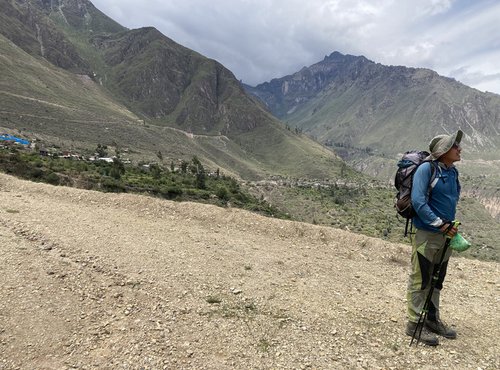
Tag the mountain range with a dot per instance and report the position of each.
(350, 101)
(72, 76)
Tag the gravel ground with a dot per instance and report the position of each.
(119, 281)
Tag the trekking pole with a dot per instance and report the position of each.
(435, 276)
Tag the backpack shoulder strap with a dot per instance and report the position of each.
(434, 178)
(458, 180)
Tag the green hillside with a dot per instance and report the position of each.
(136, 89)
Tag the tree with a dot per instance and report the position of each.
(196, 166)
(198, 170)
(155, 171)
(201, 180)
(117, 169)
(184, 166)
(101, 150)
(343, 169)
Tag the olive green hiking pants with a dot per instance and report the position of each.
(426, 253)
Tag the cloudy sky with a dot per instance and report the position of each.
(262, 39)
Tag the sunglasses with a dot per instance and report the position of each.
(456, 146)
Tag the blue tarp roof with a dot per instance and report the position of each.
(6, 137)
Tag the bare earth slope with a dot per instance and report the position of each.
(120, 281)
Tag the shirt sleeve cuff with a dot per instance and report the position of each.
(437, 222)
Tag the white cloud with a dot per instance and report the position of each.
(262, 39)
(437, 7)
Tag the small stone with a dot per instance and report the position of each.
(46, 247)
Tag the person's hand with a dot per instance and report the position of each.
(449, 229)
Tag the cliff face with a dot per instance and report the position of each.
(151, 74)
(284, 95)
(165, 81)
(352, 101)
(80, 15)
(27, 26)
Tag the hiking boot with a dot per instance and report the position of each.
(440, 328)
(426, 337)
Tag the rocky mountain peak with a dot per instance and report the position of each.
(351, 100)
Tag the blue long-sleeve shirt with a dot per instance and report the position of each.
(441, 204)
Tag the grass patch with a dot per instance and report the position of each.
(264, 345)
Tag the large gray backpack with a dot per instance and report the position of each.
(403, 182)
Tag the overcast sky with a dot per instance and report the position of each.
(262, 39)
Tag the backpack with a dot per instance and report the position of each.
(403, 182)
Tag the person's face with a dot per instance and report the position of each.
(452, 155)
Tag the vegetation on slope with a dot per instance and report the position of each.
(362, 206)
(367, 208)
(190, 182)
(76, 112)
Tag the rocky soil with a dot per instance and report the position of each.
(119, 281)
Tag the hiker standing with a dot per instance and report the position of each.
(435, 211)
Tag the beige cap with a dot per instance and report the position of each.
(440, 144)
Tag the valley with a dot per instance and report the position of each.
(165, 215)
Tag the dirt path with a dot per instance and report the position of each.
(119, 281)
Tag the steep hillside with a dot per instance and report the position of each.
(26, 24)
(350, 101)
(370, 114)
(172, 85)
(93, 280)
(73, 77)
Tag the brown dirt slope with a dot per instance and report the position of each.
(119, 281)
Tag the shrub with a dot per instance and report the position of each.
(112, 185)
(171, 192)
(222, 193)
(52, 178)
(35, 173)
